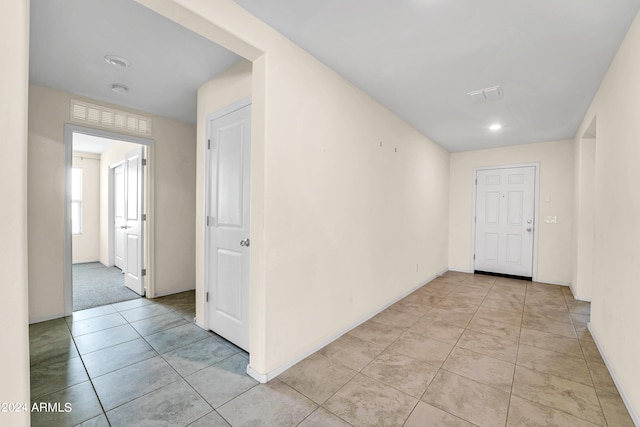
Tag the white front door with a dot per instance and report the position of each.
(119, 221)
(228, 226)
(133, 275)
(505, 212)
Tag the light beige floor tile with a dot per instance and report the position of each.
(437, 330)
(377, 333)
(366, 402)
(497, 329)
(404, 373)
(614, 409)
(489, 345)
(602, 378)
(395, 318)
(580, 307)
(352, 352)
(479, 278)
(558, 328)
(425, 415)
(484, 369)
(496, 295)
(568, 346)
(591, 352)
(470, 289)
(510, 317)
(523, 413)
(323, 418)
(416, 309)
(576, 399)
(271, 404)
(317, 377)
(551, 362)
(538, 313)
(421, 348)
(457, 318)
(423, 298)
(467, 399)
(511, 306)
(580, 319)
(463, 300)
(583, 333)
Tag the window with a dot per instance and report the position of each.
(76, 201)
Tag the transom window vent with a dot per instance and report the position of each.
(109, 118)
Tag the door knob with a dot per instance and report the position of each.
(528, 221)
(529, 229)
(124, 227)
(245, 242)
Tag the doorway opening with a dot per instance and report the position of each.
(105, 217)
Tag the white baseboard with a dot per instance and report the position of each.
(263, 378)
(623, 395)
(457, 271)
(198, 324)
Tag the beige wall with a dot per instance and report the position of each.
(113, 155)
(349, 202)
(173, 202)
(556, 199)
(86, 246)
(614, 308)
(14, 358)
(583, 215)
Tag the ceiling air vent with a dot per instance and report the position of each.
(486, 94)
(109, 118)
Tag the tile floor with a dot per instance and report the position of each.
(463, 350)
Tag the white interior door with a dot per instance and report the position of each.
(228, 226)
(133, 274)
(505, 208)
(119, 221)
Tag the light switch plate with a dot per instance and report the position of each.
(552, 219)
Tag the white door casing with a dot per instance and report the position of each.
(119, 221)
(505, 220)
(133, 238)
(227, 230)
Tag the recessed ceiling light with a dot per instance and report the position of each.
(117, 61)
(496, 126)
(118, 88)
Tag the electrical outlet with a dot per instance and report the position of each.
(551, 219)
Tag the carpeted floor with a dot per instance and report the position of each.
(95, 285)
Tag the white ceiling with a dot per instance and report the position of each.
(91, 144)
(69, 39)
(419, 58)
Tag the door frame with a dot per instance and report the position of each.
(207, 273)
(148, 243)
(536, 210)
(111, 212)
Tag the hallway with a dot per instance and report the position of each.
(462, 350)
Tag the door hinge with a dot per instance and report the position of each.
(474, 256)
(208, 144)
(208, 220)
(476, 181)
(144, 217)
(144, 162)
(144, 272)
(206, 297)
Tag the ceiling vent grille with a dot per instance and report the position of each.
(487, 94)
(109, 118)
